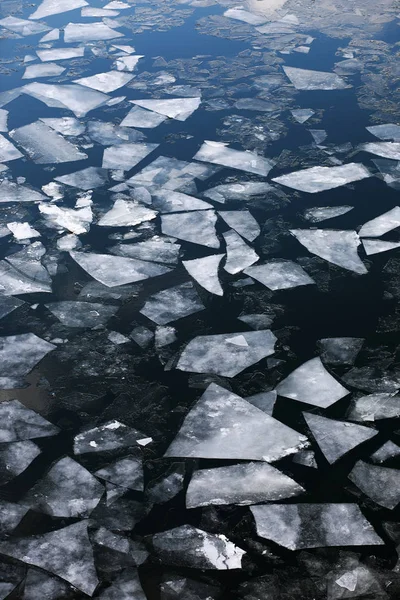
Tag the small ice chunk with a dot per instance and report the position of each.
(197, 227)
(142, 118)
(126, 214)
(280, 274)
(164, 336)
(336, 246)
(243, 222)
(383, 224)
(389, 131)
(312, 384)
(8, 305)
(65, 125)
(127, 63)
(60, 53)
(76, 221)
(167, 201)
(340, 350)
(323, 213)
(10, 515)
(8, 151)
(86, 179)
(377, 246)
(385, 149)
(157, 250)
(380, 484)
(240, 14)
(336, 438)
(319, 135)
(265, 401)
(112, 435)
(55, 7)
(87, 32)
(218, 153)
(44, 145)
(242, 484)
(126, 156)
(22, 26)
(41, 585)
(22, 231)
(319, 179)
(126, 472)
(299, 526)
(305, 458)
(241, 190)
(117, 338)
(205, 272)
(142, 336)
(174, 108)
(109, 134)
(301, 115)
(15, 458)
(126, 586)
(52, 36)
(168, 486)
(21, 423)
(375, 407)
(305, 79)
(68, 242)
(222, 425)
(117, 4)
(239, 254)
(81, 314)
(105, 82)
(3, 120)
(172, 304)
(386, 452)
(19, 354)
(187, 546)
(42, 70)
(80, 100)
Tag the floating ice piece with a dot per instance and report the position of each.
(126, 472)
(218, 153)
(65, 125)
(305, 79)
(222, 425)
(87, 179)
(174, 108)
(385, 149)
(386, 452)
(336, 438)
(18, 355)
(52, 36)
(117, 270)
(305, 458)
(319, 135)
(22, 26)
(245, 16)
(22, 231)
(14, 192)
(89, 11)
(241, 190)
(377, 246)
(242, 484)
(10, 515)
(15, 458)
(380, 484)
(60, 53)
(81, 314)
(126, 213)
(167, 201)
(3, 120)
(265, 401)
(340, 350)
(205, 272)
(142, 336)
(80, 100)
(117, 4)
(389, 131)
(187, 546)
(319, 179)
(126, 156)
(42, 70)
(174, 587)
(87, 32)
(105, 82)
(301, 115)
(312, 384)
(172, 304)
(67, 490)
(336, 246)
(142, 118)
(323, 213)
(126, 586)
(167, 487)
(298, 526)
(239, 254)
(197, 227)
(8, 151)
(383, 224)
(109, 134)
(40, 585)
(241, 221)
(76, 221)
(164, 336)
(124, 48)
(44, 145)
(67, 553)
(55, 7)
(127, 63)
(375, 407)
(157, 250)
(7, 306)
(14, 282)
(112, 435)
(280, 274)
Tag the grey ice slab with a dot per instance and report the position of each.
(153, 250)
(389, 150)
(60, 53)
(81, 314)
(383, 224)
(19, 354)
(386, 452)
(14, 282)
(301, 115)
(241, 190)
(168, 201)
(219, 154)
(126, 214)
(3, 120)
(243, 222)
(242, 484)
(47, 587)
(240, 14)
(166, 487)
(22, 26)
(323, 213)
(340, 350)
(66, 553)
(117, 270)
(80, 100)
(87, 32)
(28, 262)
(337, 438)
(126, 472)
(76, 221)
(227, 354)
(44, 145)
(105, 82)
(197, 227)
(280, 274)
(319, 179)
(205, 272)
(112, 435)
(8, 305)
(239, 254)
(174, 108)
(66, 490)
(265, 401)
(305, 79)
(338, 247)
(14, 192)
(127, 63)
(15, 458)
(187, 546)
(221, 425)
(109, 134)
(8, 151)
(375, 407)
(42, 70)
(126, 586)
(65, 125)
(10, 515)
(86, 179)
(380, 484)
(48, 8)
(299, 526)
(126, 156)
(142, 118)
(172, 304)
(377, 246)
(389, 131)
(312, 384)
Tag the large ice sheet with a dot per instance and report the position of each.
(383, 224)
(280, 274)
(60, 53)
(174, 108)
(305, 79)
(167, 201)
(126, 156)
(44, 145)
(380, 484)
(243, 222)
(205, 272)
(80, 100)
(8, 151)
(239, 254)
(105, 82)
(126, 472)
(312, 384)
(227, 354)
(336, 246)
(241, 190)
(172, 304)
(10, 515)
(299, 526)
(81, 314)
(55, 7)
(87, 32)
(197, 227)
(18, 355)
(117, 270)
(385, 149)
(42, 70)
(142, 118)
(15, 458)
(218, 153)
(86, 179)
(240, 14)
(14, 192)
(126, 214)
(112, 435)
(22, 26)
(242, 484)
(374, 407)
(221, 425)
(21, 423)
(319, 179)
(41, 585)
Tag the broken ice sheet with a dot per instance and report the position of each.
(80, 100)
(312, 384)
(241, 190)
(383, 224)
(60, 54)
(44, 145)
(8, 151)
(126, 586)
(377, 246)
(205, 272)
(168, 486)
(142, 118)
(239, 254)
(126, 156)
(8, 305)
(65, 125)
(301, 115)
(172, 304)
(385, 149)
(126, 472)
(242, 484)
(105, 82)
(126, 214)
(298, 526)
(66, 553)
(380, 484)
(187, 546)
(47, 587)
(42, 70)
(389, 131)
(22, 231)
(19, 354)
(112, 435)
(323, 213)
(86, 179)
(15, 458)
(21, 423)
(174, 108)
(197, 227)
(154, 250)
(81, 314)
(10, 515)
(167, 201)
(109, 134)
(218, 153)
(243, 222)
(386, 452)
(66, 490)
(14, 192)
(85, 32)
(222, 425)
(305, 79)
(280, 274)
(319, 179)
(76, 221)
(375, 407)
(54, 7)
(22, 26)
(340, 350)
(338, 247)
(245, 16)
(3, 120)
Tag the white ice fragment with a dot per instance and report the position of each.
(377, 246)
(340, 350)
(75, 221)
(154, 250)
(239, 254)
(142, 118)
(15, 458)
(383, 224)
(21, 423)
(126, 156)
(3, 120)
(44, 145)
(319, 179)
(81, 314)
(381, 484)
(126, 472)
(241, 190)
(389, 131)
(126, 214)
(117, 4)
(127, 63)
(8, 151)
(22, 26)
(68, 242)
(52, 36)
(89, 11)
(218, 153)
(55, 7)
(19, 354)
(60, 53)
(280, 274)
(305, 79)
(323, 213)
(42, 70)
(205, 272)
(240, 14)
(319, 135)
(78, 99)
(388, 451)
(22, 231)
(197, 227)
(86, 179)
(169, 201)
(174, 108)
(243, 222)
(85, 32)
(301, 115)
(172, 304)
(385, 149)
(112, 435)
(105, 82)
(65, 125)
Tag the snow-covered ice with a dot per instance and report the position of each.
(112, 435)
(323, 213)
(126, 214)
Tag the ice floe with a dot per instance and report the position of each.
(8, 151)
(44, 145)
(383, 224)
(126, 472)
(241, 190)
(126, 156)
(167, 201)
(172, 304)
(389, 131)
(80, 100)
(380, 484)
(42, 70)
(323, 213)
(87, 32)
(280, 274)
(60, 53)
(243, 222)
(112, 435)
(205, 272)
(126, 214)
(218, 153)
(142, 118)
(105, 82)
(374, 407)
(377, 246)
(81, 314)
(238, 254)
(15, 458)
(197, 227)
(154, 250)
(340, 350)
(19, 354)
(305, 79)
(86, 179)
(48, 8)
(319, 179)
(22, 26)
(385, 149)
(174, 108)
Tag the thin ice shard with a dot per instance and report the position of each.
(383, 224)
(80, 100)
(168, 201)
(380, 484)
(301, 115)
(85, 32)
(219, 154)
(319, 179)
(105, 82)
(197, 227)
(243, 222)
(174, 108)
(19, 354)
(377, 246)
(205, 272)
(239, 254)
(389, 131)
(126, 472)
(280, 274)
(55, 7)
(81, 314)
(389, 150)
(172, 304)
(44, 145)
(305, 79)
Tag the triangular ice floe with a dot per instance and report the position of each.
(205, 272)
